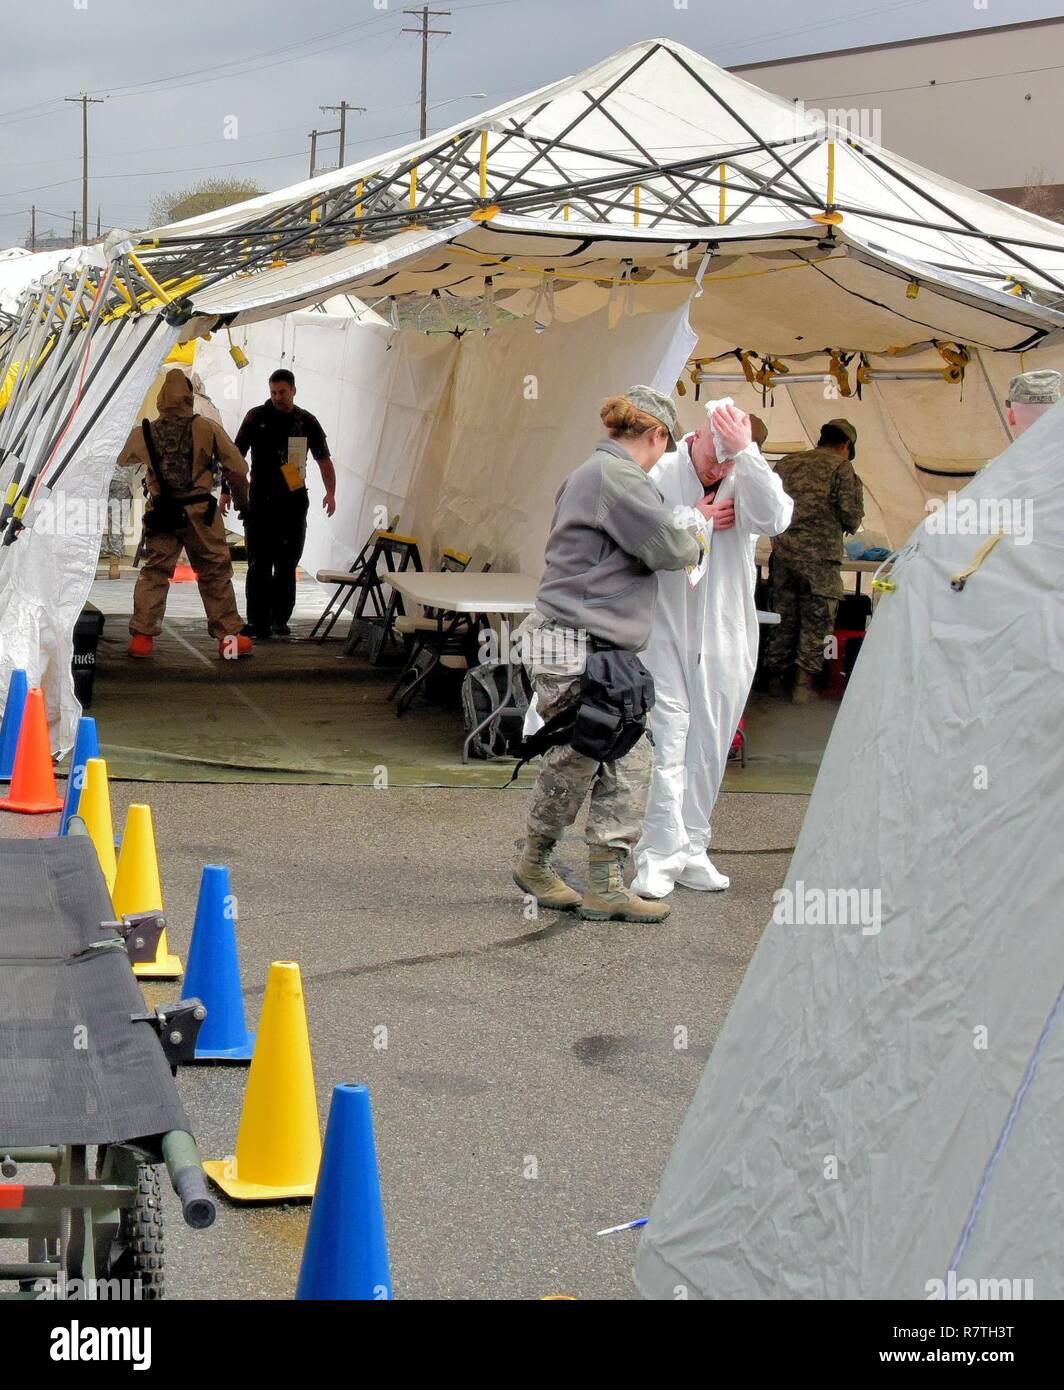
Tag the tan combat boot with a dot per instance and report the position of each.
(113, 571)
(803, 687)
(534, 875)
(608, 900)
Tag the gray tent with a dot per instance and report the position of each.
(882, 1115)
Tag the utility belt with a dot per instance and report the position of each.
(609, 716)
(167, 513)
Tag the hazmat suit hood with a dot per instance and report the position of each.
(175, 394)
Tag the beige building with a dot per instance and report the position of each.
(984, 107)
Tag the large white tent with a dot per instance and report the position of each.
(881, 1113)
(650, 211)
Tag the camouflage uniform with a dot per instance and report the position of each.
(806, 579)
(618, 790)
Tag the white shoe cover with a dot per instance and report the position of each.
(655, 874)
(700, 874)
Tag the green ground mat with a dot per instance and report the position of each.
(300, 712)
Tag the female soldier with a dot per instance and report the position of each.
(610, 532)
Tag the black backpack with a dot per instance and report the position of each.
(609, 717)
(484, 693)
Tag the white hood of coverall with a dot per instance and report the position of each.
(702, 653)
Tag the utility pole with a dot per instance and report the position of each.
(86, 102)
(313, 151)
(343, 109)
(424, 14)
(98, 210)
(33, 228)
(74, 228)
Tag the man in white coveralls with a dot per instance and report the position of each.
(703, 645)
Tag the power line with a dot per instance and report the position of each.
(423, 14)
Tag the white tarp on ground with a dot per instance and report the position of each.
(884, 1106)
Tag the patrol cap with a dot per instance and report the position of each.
(844, 426)
(652, 402)
(1035, 388)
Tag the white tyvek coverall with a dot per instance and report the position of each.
(702, 653)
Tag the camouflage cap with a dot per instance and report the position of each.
(1035, 388)
(850, 431)
(652, 402)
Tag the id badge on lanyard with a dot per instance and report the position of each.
(294, 469)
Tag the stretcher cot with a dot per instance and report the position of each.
(88, 1106)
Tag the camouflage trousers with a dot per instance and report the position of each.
(618, 790)
(806, 619)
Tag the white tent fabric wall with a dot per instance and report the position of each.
(910, 433)
(862, 1048)
(466, 441)
(46, 574)
(376, 392)
(524, 412)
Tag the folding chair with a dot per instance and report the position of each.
(346, 581)
(378, 626)
(437, 635)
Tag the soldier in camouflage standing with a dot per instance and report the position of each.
(611, 531)
(806, 577)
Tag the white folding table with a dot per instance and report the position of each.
(455, 596)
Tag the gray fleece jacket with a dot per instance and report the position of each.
(611, 531)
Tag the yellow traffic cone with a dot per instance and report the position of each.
(278, 1145)
(137, 889)
(94, 808)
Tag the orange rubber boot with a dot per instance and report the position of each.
(233, 648)
(141, 645)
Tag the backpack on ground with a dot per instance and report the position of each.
(484, 694)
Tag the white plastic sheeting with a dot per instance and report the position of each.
(46, 574)
(883, 1103)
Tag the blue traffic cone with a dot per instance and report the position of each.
(213, 972)
(86, 745)
(17, 691)
(346, 1252)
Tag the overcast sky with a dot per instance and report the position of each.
(174, 73)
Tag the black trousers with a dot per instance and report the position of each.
(275, 531)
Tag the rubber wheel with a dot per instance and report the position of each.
(137, 1253)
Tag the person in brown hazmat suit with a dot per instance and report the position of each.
(179, 450)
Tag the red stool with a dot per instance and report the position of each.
(847, 645)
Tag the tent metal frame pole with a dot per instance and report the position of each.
(26, 404)
(595, 104)
(745, 125)
(153, 326)
(78, 364)
(944, 208)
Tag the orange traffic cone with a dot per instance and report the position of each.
(32, 789)
(183, 574)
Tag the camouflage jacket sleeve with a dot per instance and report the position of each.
(847, 497)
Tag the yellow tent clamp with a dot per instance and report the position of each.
(961, 578)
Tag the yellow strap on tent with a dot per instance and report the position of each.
(962, 576)
(20, 507)
(413, 188)
(831, 174)
(12, 493)
(635, 197)
(723, 191)
(484, 164)
(185, 353)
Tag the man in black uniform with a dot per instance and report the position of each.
(279, 436)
